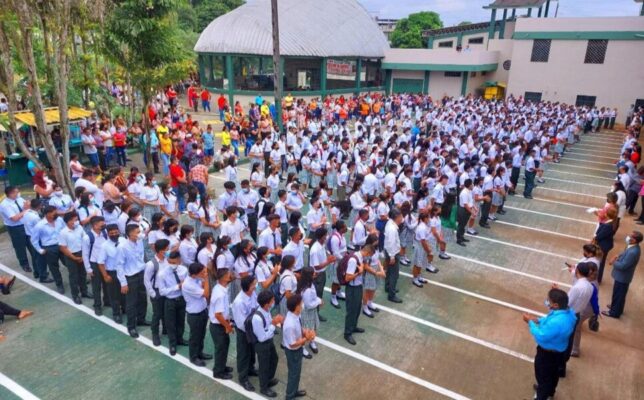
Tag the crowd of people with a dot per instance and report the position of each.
(384, 180)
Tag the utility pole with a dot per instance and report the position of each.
(277, 65)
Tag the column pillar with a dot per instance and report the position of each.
(323, 77)
(426, 83)
(202, 78)
(430, 43)
(529, 12)
(502, 30)
(539, 13)
(464, 83)
(459, 39)
(230, 75)
(358, 71)
(388, 79)
(490, 34)
(514, 13)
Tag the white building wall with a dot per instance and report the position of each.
(475, 83)
(441, 85)
(616, 83)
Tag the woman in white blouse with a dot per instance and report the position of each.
(149, 196)
(206, 249)
(188, 245)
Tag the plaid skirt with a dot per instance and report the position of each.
(304, 177)
(420, 257)
(283, 308)
(406, 237)
(497, 199)
(315, 181)
(331, 179)
(310, 319)
(331, 273)
(371, 282)
(234, 288)
(148, 211)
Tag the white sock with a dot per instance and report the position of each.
(370, 303)
(334, 297)
(365, 308)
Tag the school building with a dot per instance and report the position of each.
(525, 51)
(336, 47)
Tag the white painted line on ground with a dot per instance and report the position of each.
(478, 296)
(576, 182)
(565, 191)
(578, 174)
(229, 383)
(512, 271)
(550, 215)
(518, 246)
(452, 332)
(587, 161)
(392, 370)
(16, 389)
(142, 339)
(611, 171)
(576, 153)
(530, 228)
(559, 202)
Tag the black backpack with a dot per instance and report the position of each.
(248, 325)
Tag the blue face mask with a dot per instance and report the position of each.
(546, 303)
(167, 254)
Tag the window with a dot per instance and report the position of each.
(596, 51)
(301, 74)
(473, 74)
(475, 40)
(540, 50)
(253, 73)
(214, 72)
(453, 74)
(371, 75)
(448, 43)
(534, 97)
(583, 100)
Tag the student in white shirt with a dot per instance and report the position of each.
(188, 245)
(232, 227)
(312, 301)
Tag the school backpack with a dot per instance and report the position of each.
(248, 325)
(341, 269)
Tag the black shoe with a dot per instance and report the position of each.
(182, 342)
(273, 382)
(118, 319)
(358, 330)
(502, 212)
(229, 370)
(466, 240)
(608, 314)
(87, 295)
(268, 392)
(486, 225)
(7, 288)
(156, 340)
(248, 386)
(173, 350)
(27, 268)
(133, 333)
(77, 300)
(322, 319)
(528, 197)
(224, 376)
(198, 362)
(308, 356)
(395, 300)
(460, 243)
(46, 280)
(253, 372)
(443, 256)
(314, 350)
(300, 393)
(164, 331)
(368, 315)
(143, 323)
(205, 356)
(98, 311)
(335, 305)
(60, 289)
(350, 339)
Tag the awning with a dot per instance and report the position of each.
(52, 116)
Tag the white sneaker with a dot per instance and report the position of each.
(431, 268)
(492, 218)
(422, 280)
(341, 295)
(472, 232)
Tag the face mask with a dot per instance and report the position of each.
(154, 182)
(628, 239)
(246, 191)
(546, 303)
(114, 238)
(76, 224)
(58, 193)
(17, 195)
(137, 219)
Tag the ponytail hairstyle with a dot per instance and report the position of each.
(261, 255)
(306, 279)
(203, 242)
(288, 262)
(155, 224)
(221, 242)
(185, 231)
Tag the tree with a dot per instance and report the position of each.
(207, 10)
(143, 38)
(409, 31)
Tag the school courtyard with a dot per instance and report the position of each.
(459, 337)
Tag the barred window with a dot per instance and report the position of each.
(453, 74)
(596, 51)
(583, 100)
(448, 43)
(540, 50)
(475, 40)
(534, 97)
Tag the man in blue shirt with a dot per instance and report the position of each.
(551, 334)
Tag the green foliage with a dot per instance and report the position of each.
(143, 38)
(207, 10)
(409, 31)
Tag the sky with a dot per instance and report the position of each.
(454, 11)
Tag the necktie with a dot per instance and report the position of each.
(176, 276)
(18, 205)
(274, 241)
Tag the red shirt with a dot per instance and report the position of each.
(205, 95)
(176, 172)
(635, 157)
(221, 102)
